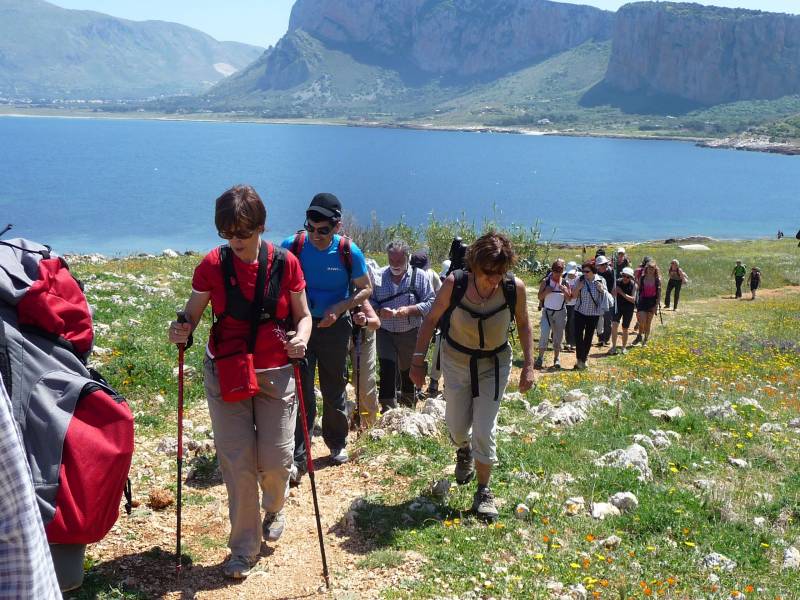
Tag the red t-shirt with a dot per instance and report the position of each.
(269, 352)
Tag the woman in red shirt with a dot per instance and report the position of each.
(254, 436)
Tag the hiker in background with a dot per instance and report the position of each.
(337, 282)
(571, 281)
(476, 356)
(625, 296)
(402, 300)
(253, 436)
(677, 277)
(363, 352)
(420, 260)
(637, 275)
(553, 293)
(649, 298)
(620, 262)
(738, 274)
(589, 293)
(604, 270)
(754, 281)
(780, 234)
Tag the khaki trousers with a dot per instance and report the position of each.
(255, 442)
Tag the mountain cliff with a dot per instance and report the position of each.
(702, 55)
(48, 51)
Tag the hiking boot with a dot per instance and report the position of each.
(577, 366)
(296, 474)
(273, 525)
(538, 363)
(613, 351)
(581, 366)
(636, 340)
(238, 566)
(339, 456)
(624, 350)
(465, 466)
(483, 505)
(433, 389)
(557, 364)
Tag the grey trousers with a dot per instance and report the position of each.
(254, 440)
(555, 321)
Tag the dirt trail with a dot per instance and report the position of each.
(137, 554)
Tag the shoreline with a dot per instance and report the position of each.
(742, 141)
(20, 112)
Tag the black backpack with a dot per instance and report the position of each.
(459, 290)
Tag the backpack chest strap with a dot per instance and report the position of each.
(474, 357)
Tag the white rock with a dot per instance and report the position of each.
(624, 501)
(668, 415)
(750, 403)
(574, 506)
(435, 407)
(759, 522)
(533, 498)
(409, 422)
(632, 457)
(610, 543)
(169, 253)
(562, 479)
(522, 511)
(720, 411)
(764, 496)
(98, 351)
(575, 395)
(576, 592)
(376, 433)
(644, 440)
(601, 510)
(188, 371)
(770, 428)
(738, 462)
(703, 484)
(791, 558)
(794, 423)
(716, 561)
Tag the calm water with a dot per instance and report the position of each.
(118, 187)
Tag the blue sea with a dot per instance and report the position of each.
(124, 186)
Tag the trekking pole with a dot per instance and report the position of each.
(357, 341)
(181, 350)
(298, 387)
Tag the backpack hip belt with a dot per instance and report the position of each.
(474, 356)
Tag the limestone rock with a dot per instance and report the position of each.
(574, 506)
(771, 428)
(169, 253)
(610, 543)
(668, 415)
(601, 510)
(791, 558)
(632, 457)
(522, 511)
(716, 561)
(408, 422)
(435, 407)
(738, 462)
(720, 411)
(624, 501)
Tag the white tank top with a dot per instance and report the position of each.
(554, 300)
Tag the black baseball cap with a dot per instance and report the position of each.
(419, 259)
(326, 206)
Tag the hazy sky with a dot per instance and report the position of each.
(263, 22)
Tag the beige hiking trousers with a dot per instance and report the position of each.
(255, 444)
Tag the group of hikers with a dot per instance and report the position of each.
(314, 301)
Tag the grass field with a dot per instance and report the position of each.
(714, 351)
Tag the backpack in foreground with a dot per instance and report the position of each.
(77, 431)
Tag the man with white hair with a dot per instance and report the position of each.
(402, 299)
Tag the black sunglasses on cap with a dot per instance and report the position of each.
(323, 230)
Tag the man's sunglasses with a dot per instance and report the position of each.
(324, 230)
(588, 271)
(239, 234)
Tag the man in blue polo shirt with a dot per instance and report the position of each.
(336, 282)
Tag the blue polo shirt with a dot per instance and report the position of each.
(325, 273)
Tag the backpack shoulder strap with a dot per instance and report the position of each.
(5, 360)
(510, 293)
(270, 305)
(346, 255)
(228, 270)
(412, 288)
(298, 242)
(459, 287)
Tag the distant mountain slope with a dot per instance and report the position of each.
(48, 51)
(670, 56)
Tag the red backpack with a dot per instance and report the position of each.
(78, 432)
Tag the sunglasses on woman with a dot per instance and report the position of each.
(323, 230)
(587, 271)
(239, 234)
